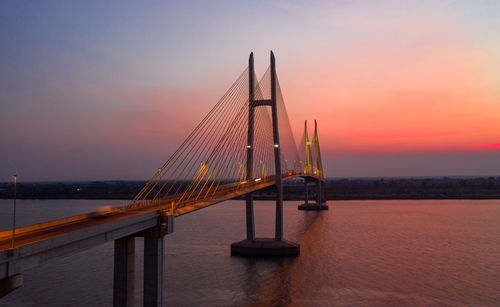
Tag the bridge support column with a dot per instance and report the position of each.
(319, 205)
(277, 156)
(321, 198)
(124, 272)
(306, 192)
(250, 220)
(153, 267)
(124, 267)
(265, 246)
(9, 284)
(250, 134)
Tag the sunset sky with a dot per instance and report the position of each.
(95, 90)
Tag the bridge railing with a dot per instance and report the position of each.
(178, 201)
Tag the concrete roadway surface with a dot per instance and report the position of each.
(39, 232)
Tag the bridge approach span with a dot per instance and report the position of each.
(38, 243)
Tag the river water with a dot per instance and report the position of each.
(413, 253)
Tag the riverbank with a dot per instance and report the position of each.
(335, 189)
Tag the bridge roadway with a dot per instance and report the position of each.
(40, 242)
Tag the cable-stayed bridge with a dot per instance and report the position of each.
(244, 144)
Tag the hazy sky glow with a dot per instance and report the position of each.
(95, 90)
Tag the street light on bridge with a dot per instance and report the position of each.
(14, 216)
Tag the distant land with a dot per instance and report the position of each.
(336, 189)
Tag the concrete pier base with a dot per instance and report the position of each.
(313, 207)
(124, 264)
(9, 284)
(260, 247)
(124, 272)
(153, 268)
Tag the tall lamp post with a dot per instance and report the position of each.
(14, 217)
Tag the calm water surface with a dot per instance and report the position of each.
(434, 252)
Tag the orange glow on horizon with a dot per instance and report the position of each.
(375, 99)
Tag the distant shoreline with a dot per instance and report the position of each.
(335, 189)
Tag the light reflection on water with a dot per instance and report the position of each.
(444, 252)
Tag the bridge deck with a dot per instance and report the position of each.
(39, 242)
(42, 231)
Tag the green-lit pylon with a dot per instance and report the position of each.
(312, 154)
(319, 164)
(307, 151)
(313, 170)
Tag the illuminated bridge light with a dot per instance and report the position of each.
(276, 145)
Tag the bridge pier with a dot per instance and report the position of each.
(124, 264)
(320, 203)
(153, 267)
(124, 272)
(306, 192)
(321, 195)
(250, 219)
(317, 170)
(276, 246)
(11, 283)
(250, 135)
